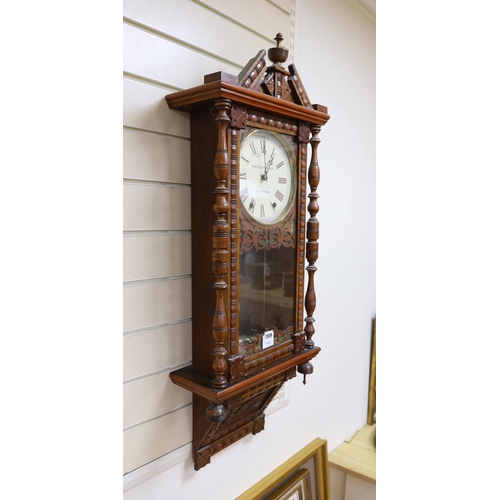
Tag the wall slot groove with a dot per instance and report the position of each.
(150, 328)
(182, 43)
(147, 182)
(279, 7)
(150, 81)
(233, 21)
(144, 376)
(155, 417)
(143, 131)
(150, 281)
(155, 232)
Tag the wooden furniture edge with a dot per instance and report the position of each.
(342, 458)
(189, 99)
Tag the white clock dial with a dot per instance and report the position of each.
(267, 183)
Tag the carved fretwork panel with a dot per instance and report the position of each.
(276, 84)
(304, 133)
(238, 117)
(237, 368)
(244, 415)
(300, 341)
(259, 238)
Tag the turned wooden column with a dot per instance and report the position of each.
(312, 247)
(312, 234)
(220, 254)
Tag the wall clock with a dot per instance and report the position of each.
(252, 233)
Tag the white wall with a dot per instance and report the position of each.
(343, 46)
(168, 46)
(335, 55)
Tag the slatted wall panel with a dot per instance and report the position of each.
(169, 45)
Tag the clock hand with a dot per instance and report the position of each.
(270, 162)
(268, 165)
(263, 177)
(266, 169)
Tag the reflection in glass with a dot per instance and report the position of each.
(267, 291)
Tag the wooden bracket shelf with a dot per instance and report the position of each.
(199, 381)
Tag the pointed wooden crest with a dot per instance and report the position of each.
(274, 80)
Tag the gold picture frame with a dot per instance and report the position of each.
(305, 473)
(298, 487)
(372, 391)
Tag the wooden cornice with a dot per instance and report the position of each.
(203, 96)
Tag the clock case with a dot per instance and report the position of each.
(231, 391)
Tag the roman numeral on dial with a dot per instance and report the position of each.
(279, 195)
(244, 194)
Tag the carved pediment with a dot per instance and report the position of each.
(274, 80)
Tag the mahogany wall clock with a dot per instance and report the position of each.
(250, 243)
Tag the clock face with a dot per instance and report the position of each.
(267, 177)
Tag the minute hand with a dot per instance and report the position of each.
(267, 167)
(263, 177)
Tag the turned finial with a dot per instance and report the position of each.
(278, 54)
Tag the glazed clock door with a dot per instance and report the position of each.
(267, 268)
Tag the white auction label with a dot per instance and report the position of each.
(268, 339)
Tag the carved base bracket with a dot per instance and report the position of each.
(223, 416)
(244, 415)
(220, 437)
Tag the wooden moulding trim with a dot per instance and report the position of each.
(261, 354)
(187, 100)
(199, 381)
